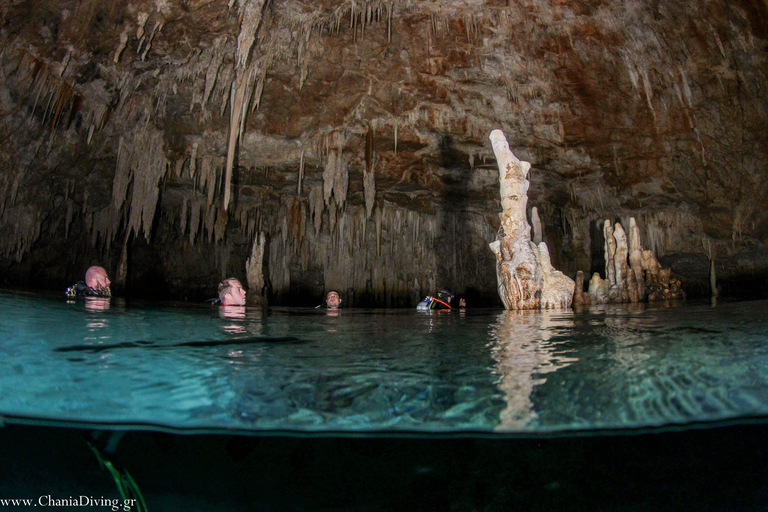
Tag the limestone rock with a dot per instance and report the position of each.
(634, 274)
(525, 276)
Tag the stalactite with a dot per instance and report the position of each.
(193, 159)
(377, 219)
(208, 178)
(209, 222)
(236, 107)
(152, 164)
(155, 29)
(102, 224)
(369, 176)
(183, 216)
(395, 136)
(254, 267)
(296, 221)
(123, 41)
(251, 11)
(141, 21)
(301, 173)
(212, 65)
(316, 205)
(27, 223)
(335, 179)
(195, 210)
(68, 220)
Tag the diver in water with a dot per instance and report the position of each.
(333, 300)
(441, 301)
(231, 292)
(96, 284)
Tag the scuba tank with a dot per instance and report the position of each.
(424, 305)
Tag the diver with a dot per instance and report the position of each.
(332, 300)
(441, 302)
(231, 293)
(96, 284)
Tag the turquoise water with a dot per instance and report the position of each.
(182, 366)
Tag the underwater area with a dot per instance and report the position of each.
(196, 407)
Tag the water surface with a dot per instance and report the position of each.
(182, 366)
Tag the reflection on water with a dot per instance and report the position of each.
(524, 354)
(97, 322)
(96, 303)
(235, 313)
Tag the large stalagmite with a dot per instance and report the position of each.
(526, 278)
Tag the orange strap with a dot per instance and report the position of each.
(441, 302)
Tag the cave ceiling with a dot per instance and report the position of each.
(116, 113)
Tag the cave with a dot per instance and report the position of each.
(346, 142)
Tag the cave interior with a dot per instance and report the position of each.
(304, 146)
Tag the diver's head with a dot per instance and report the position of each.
(445, 296)
(332, 300)
(96, 278)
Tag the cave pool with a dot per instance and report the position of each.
(621, 407)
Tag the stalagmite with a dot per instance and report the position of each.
(536, 225)
(579, 297)
(598, 290)
(525, 276)
(636, 255)
(637, 274)
(619, 289)
(557, 288)
(610, 252)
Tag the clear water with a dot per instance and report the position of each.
(380, 371)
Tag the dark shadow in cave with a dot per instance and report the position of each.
(452, 247)
(597, 250)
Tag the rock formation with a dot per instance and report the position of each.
(633, 274)
(161, 138)
(525, 276)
